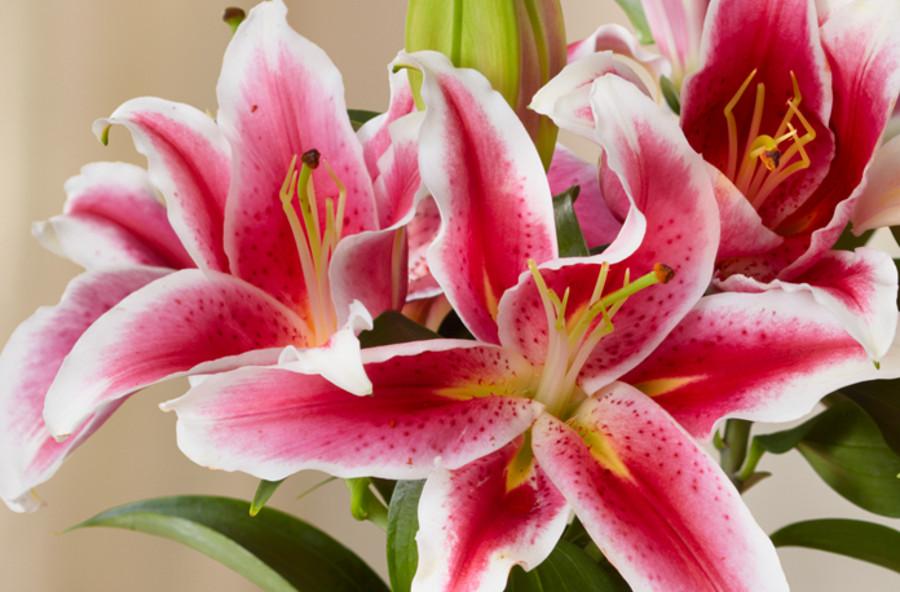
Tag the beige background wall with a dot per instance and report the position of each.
(64, 63)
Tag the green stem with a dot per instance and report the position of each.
(753, 457)
(364, 504)
(734, 452)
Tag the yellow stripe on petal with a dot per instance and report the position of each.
(662, 386)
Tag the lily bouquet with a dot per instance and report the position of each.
(521, 362)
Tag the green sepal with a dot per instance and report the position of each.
(263, 494)
(402, 526)
(275, 551)
(874, 543)
(569, 237)
(670, 94)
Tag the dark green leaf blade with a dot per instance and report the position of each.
(881, 400)
(635, 13)
(274, 550)
(403, 524)
(360, 116)
(567, 569)
(393, 327)
(866, 541)
(846, 449)
(568, 231)
(850, 242)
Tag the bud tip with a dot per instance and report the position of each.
(234, 16)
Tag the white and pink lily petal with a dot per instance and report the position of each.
(29, 455)
(618, 39)
(188, 161)
(112, 218)
(566, 99)
(763, 357)
(677, 28)
(879, 203)
(654, 502)
(438, 403)
(480, 166)
(478, 521)
(859, 288)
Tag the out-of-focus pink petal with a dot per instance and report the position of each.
(863, 51)
(677, 205)
(859, 288)
(28, 453)
(566, 99)
(112, 217)
(655, 503)
(434, 403)
(375, 135)
(743, 232)
(618, 39)
(879, 203)
(188, 161)
(163, 330)
(474, 527)
(677, 27)
(480, 165)
(598, 224)
(775, 38)
(280, 96)
(764, 357)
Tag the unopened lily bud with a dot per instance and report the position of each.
(518, 45)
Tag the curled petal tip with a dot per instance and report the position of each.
(664, 273)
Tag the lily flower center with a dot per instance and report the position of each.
(572, 337)
(766, 161)
(314, 238)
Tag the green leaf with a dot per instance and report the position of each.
(393, 327)
(845, 447)
(635, 13)
(568, 231)
(670, 93)
(849, 241)
(854, 538)
(403, 524)
(567, 569)
(359, 116)
(895, 230)
(274, 550)
(263, 494)
(881, 400)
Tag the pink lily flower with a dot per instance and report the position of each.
(788, 127)
(677, 28)
(281, 234)
(531, 421)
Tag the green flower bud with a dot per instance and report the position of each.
(518, 45)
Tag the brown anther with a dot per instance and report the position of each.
(771, 158)
(311, 158)
(664, 273)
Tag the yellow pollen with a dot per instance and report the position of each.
(315, 244)
(573, 336)
(778, 162)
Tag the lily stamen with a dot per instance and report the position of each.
(572, 337)
(315, 245)
(755, 182)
